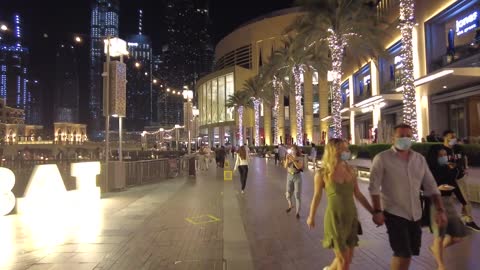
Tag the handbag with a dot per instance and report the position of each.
(359, 229)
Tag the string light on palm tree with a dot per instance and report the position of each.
(407, 22)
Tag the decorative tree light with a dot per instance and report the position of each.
(406, 25)
(240, 125)
(336, 44)
(256, 106)
(275, 118)
(297, 73)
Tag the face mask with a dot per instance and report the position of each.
(345, 156)
(452, 142)
(443, 160)
(403, 143)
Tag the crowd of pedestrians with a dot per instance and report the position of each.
(407, 191)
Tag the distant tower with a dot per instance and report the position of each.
(67, 85)
(104, 23)
(139, 75)
(14, 67)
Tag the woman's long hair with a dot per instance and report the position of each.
(242, 152)
(330, 158)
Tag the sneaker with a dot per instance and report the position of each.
(243, 192)
(472, 226)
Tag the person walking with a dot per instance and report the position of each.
(241, 164)
(294, 165)
(277, 155)
(339, 180)
(397, 176)
(446, 176)
(457, 159)
(202, 159)
(282, 153)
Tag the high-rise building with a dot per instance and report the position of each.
(188, 51)
(186, 55)
(66, 85)
(34, 111)
(104, 22)
(14, 67)
(140, 105)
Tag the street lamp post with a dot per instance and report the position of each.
(114, 47)
(188, 96)
(195, 113)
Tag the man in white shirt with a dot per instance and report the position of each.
(397, 175)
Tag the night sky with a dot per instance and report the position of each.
(61, 19)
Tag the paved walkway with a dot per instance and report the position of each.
(201, 223)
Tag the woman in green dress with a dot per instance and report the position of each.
(341, 226)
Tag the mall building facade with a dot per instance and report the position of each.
(446, 68)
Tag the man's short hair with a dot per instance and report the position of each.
(448, 131)
(402, 125)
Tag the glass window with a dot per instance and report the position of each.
(221, 99)
(345, 94)
(204, 103)
(391, 69)
(362, 85)
(209, 102)
(229, 92)
(214, 101)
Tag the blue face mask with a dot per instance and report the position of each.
(403, 143)
(345, 156)
(443, 160)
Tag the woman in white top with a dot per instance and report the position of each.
(242, 164)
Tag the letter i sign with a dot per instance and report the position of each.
(7, 199)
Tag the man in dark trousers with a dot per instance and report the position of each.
(457, 159)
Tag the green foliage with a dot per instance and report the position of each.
(473, 153)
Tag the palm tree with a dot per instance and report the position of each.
(239, 101)
(340, 25)
(406, 28)
(276, 83)
(254, 87)
(293, 60)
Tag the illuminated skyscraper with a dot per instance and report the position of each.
(66, 85)
(104, 22)
(140, 107)
(14, 67)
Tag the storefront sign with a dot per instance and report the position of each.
(467, 23)
(46, 190)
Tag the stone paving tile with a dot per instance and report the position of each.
(146, 228)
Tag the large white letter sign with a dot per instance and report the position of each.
(86, 174)
(45, 192)
(7, 199)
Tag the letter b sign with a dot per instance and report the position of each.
(7, 199)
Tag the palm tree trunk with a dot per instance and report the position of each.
(406, 29)
(275, 119)
(256, 106)
(336, 45)
(240, 125)
(298, 103)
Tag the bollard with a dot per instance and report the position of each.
(227, 172)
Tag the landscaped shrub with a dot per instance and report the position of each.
(369, 151)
